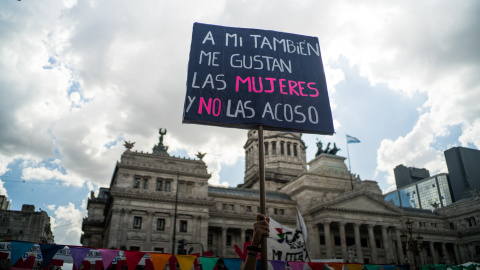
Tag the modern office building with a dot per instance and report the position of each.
(464, 169)
(429, 193)
(408, 175)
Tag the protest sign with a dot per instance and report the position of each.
(246, 78)
(286, 244)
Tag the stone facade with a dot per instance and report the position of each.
(346, 218)
(26, 225)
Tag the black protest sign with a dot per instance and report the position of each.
(244, 78)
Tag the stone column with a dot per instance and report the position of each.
(343, 241)
(126, 226)
(328, 240)
(148, 237)
(313, 245)
(457, 256)
(386, 244)
(444, 251)
(434, 255)
(358, 244)
(224, 242)
(401, 258)
(373, 245)
(242, 237)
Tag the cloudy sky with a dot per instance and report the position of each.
(77, 78)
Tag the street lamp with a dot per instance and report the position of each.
(413, 245)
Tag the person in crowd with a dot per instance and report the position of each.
(260, 228)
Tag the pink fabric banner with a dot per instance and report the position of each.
(107, 256)
(296, 265)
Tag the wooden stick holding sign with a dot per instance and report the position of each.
(263, 207)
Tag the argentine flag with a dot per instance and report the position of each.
(351, 139)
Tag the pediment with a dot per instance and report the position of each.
(360, 202)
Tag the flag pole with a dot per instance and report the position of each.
(261, 165)
(349, 166)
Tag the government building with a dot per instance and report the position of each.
(347, 218)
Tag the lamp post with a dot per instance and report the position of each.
(414, 245)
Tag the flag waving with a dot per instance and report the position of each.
(351, 139)
(287, 244)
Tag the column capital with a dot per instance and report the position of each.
(342, 223)
(357, 225)
(370, 226)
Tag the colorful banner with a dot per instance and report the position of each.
(157, 261)
(243, 78)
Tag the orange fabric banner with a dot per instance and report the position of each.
(185, 261)
(159, 260)
(336, 266)
(354, 266)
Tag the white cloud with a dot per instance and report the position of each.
(67, 224)
(43, 173)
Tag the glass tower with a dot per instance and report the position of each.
(424, 194)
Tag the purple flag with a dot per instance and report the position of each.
(296, 265)
(48, 251)
(78, 254)
(278, 265)
(17, 250)
(107, 256)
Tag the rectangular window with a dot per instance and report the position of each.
(295, 151)
(23, 219)
(266, 149)
(167, 186)
(159, 249)
(210, 239)
(11, 219)
(137, 222)
(378, 243)
(363, 242)
(275, 211)
(337, 241)
(350, 241)
(229, 240)
(249, 209)
(135, 248)
(322, 240)
(145, 183)
(232, 207)
(1, 216)
(159, 185)
(224, 206)
(288, 149)
(282, 150)
(274, 149)
(161, 224)
(452, 227)
(136, 182)
(183, 226)
(282, 212)
(258, 209)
